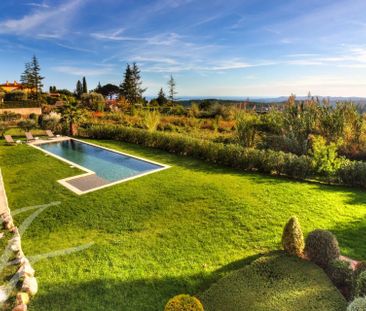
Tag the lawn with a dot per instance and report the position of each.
(175, 231)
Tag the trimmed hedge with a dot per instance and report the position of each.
(232, 155)
(352, 173)
(321, 247)
(183, 303)
(292, 238)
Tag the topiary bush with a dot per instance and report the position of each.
(359, 304)
(360, 284)
(183, 303)
(292, 237)
(321, 247)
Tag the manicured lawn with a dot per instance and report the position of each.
(175, 231)
(275, 282)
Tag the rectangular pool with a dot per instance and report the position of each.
(103, 166)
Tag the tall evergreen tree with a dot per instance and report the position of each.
(131, 88)
(85, 86)
(32, 78)
(161, 99)
(79, 89)
(172, 89)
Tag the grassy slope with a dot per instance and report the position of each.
(275, 282)
(166, 233)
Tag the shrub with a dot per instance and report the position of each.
(324, 156)
(151, 120)
(292, 237)
(321, 247)
(352, 173)
(359, 304)
(246, 128)
(183, 303)
(340, 273)
(360, 267)
(27, 125)
(360, 284)
(15, 96)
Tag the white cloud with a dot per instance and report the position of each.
(38, 5)
(53, 17)
(80, 71)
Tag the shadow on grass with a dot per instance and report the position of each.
(348, 236)
(137, 295)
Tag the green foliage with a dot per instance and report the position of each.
(3, 128)
(93, 101)
(324, 156)
(246, 128)
(161, 99)
(131, 87)
(292, 237)
(32, 78)
(360, 284)
(79, 89)
(194, 111)
(27, 125)
(274, 282)
(151, 120)
(321, 247)
(85, 86)
(340, 273)
(15, 96)
(183, 303)
(359, 304)
(352, 173)
(266, 161)
(9, 116)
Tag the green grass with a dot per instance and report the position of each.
(174, 231)
(275, 282)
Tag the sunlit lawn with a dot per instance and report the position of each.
(175, 231)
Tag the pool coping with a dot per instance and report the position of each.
(88, 172)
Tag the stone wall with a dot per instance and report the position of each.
(18, 284)
(24, 112)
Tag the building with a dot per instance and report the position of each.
(15, 86)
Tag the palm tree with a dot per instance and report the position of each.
(72, 115)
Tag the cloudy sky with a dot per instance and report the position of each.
(212, 47)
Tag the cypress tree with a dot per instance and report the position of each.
(79, 89)
(85, 86)
(161, 99)
(292, 237)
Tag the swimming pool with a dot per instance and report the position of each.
(103, 166)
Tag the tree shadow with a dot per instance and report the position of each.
(141, 294)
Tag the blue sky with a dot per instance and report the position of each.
(212, 48)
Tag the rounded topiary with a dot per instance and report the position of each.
(183, 303)
(360, 284)
(292, 237)
(321, 247)
(359, 304)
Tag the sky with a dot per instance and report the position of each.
(259, 48)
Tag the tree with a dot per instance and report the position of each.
(79, 89)
(172, 89)
(32, 78)
(93, 101)
(72, 115)
(292, 237)
(131, 88)
(161, 99)
(85, 86)
(108, 90)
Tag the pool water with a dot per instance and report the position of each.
(107, 164)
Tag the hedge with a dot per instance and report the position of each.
(266, 161)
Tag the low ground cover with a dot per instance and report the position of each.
(275, 282)
(171, 232)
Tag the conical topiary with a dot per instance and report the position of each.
(292, 237)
